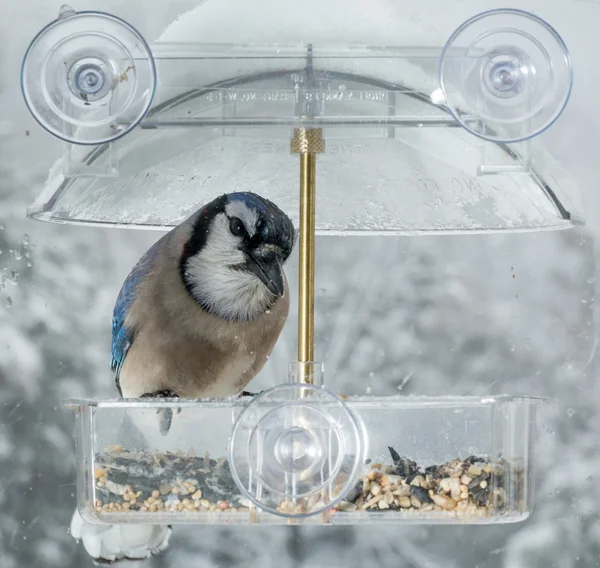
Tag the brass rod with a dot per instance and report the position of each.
(307, 143)
(306, 284)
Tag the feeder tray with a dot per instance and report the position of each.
(386, 139)
(298, 453)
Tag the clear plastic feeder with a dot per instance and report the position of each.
(298, 453)
(430, 139)
(437, 138)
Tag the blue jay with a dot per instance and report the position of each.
(200, 313)
(198, 316)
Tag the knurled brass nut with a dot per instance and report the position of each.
(308, 141)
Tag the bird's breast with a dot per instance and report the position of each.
(231, 379)
(190, 367)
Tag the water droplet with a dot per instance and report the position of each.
(8, 303)
(14, 278)
(29, 264)
(26, 240)
(27, 254)
(369, 390)
(18, 255)
(2, 227)
(11, 252)
(570, 412)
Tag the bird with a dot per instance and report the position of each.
(200, 313)
(197, 317)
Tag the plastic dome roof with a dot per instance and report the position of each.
(235, 78)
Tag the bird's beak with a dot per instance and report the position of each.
(269, 271)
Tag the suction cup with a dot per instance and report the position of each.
(506, 75)
(88, 77)
(295, 450)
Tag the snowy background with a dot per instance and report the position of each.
(432, 315)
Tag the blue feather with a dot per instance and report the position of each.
(123, 336)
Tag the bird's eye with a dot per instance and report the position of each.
(237, 227)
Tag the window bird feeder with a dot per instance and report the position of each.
(380, 138)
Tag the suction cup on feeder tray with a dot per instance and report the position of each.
(506, 75)
(88, 77)
(295, 450)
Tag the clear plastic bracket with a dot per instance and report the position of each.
(100, 162)
(516, 159)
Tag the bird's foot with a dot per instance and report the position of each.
(248, 393)
(167, 413)
(164, 393)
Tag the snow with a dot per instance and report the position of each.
(380, 22)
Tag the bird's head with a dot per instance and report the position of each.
(232, 264)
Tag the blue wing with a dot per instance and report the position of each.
(123, 336)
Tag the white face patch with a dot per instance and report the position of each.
(227, 292)
(222, 248)
(241, 211)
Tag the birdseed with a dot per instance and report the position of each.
(141, 481)
(475, 486)
(159, 482)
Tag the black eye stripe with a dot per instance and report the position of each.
(236, 227)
